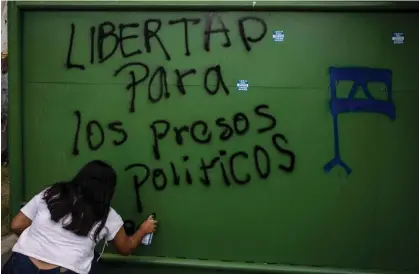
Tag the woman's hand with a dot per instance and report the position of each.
(149, 225)
(126, 244)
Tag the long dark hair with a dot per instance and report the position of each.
(86, 199)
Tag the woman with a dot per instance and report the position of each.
(60, 226)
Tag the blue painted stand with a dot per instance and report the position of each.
(361, 77)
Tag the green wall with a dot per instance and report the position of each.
(295, 214)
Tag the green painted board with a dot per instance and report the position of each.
(267, 198)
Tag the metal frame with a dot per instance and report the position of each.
(314, 5)
(16, 132)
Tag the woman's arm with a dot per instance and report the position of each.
(26, 214)
(124, 244)
(20, 223)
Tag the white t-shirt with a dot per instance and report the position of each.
(48, 241)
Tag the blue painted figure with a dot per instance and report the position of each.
(361, 77)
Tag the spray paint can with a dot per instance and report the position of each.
(148, 237)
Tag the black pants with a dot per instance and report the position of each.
(21, 264)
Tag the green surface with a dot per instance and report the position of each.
(155, 265)
(365, 221)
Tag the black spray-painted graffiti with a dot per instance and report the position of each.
(266, 160)
(109, 32)
(200, 133)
